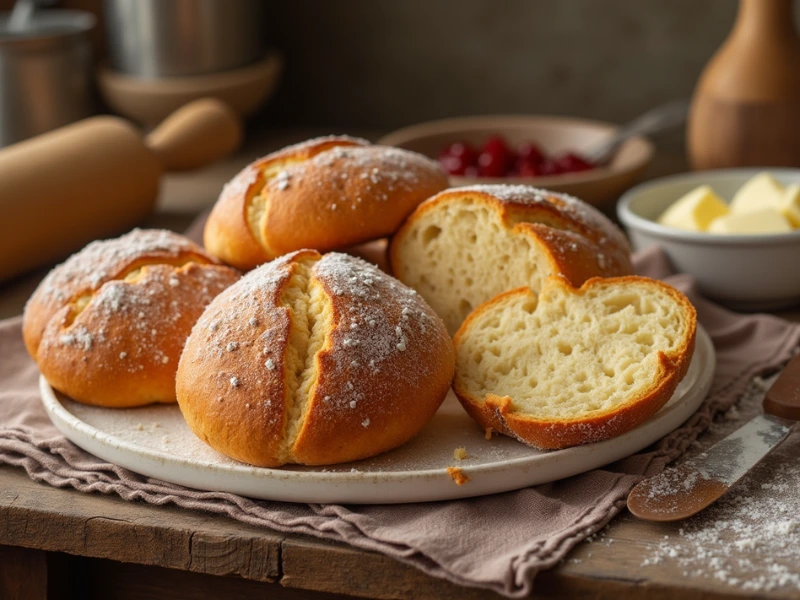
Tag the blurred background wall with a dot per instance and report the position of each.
(385, 63)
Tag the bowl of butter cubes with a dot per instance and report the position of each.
(737, 231)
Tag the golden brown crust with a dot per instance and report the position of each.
(231, 382)
(227, 234)
(107, 327)
(383, 370)
(498, 412)
(374, 365)
(324, 194)
(579, 241)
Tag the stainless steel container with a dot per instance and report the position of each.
(166, 38)
(45, 73)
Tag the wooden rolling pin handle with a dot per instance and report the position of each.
(196, 135)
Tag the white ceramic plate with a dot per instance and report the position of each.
(155, 441)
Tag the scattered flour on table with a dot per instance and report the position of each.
(750, 538)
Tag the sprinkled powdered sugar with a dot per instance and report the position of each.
(124, 324)
(373, 314)
(136, 307)
(100, 261)
(382, 171)
(580, 211)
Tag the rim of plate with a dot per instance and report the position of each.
(54, 407)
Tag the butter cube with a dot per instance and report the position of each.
(765, 220)
(761, 191)
(695, 210)
(791, 204)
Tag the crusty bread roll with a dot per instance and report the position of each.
(570, 366)
(466, 245)
(314, 360)
(326, 193)
(107, 326)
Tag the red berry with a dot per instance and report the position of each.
(572, 163)
(530, 153)
(454, 165)
(462, 150)
(492, 165)
(527, 168)
(549, 167)
(496, 159)
(496, 144)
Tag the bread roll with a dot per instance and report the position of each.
(107, 326)
(326, 193)
(466, 245)
(314, 360)
(569, 366)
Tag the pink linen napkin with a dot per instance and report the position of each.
(531, 529)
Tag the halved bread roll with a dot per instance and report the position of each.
(315, 360)
(107, 326)
(466, 245)
(570, 366)
(326, 193)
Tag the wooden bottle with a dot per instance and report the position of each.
(746, 107)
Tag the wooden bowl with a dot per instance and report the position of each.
(148, 101)
(553, 134)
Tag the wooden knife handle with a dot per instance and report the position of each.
(196, 135)
(783, 398)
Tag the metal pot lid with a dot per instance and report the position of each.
(48, 25)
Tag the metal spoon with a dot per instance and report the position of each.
(21, 16)
(659, 119)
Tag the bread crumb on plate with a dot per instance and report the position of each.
(457, 475)
(460, 453)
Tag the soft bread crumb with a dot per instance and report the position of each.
(471, 244)
(488, 434)
(460, 453)
(573, 366)
(457, 475)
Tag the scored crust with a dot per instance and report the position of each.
(326, 193)
(500, 412)
(313, 360)
(567, 237)
(118, 310)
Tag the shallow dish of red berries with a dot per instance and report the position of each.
(544, 151)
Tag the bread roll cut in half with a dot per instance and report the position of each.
(107, 326)
(570, 366)
(326, 193)
(466, 245)
(314, 360)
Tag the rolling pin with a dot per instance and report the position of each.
(97, 178)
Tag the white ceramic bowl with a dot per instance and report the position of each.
(748, 272)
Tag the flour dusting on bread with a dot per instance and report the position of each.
(344, 362)
(118, 309)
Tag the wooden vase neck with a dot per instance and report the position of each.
(765, 21)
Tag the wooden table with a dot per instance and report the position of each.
(59, 543)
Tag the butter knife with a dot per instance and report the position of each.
(685, 490)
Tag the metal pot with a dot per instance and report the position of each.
(166, 38)
(45, 73)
